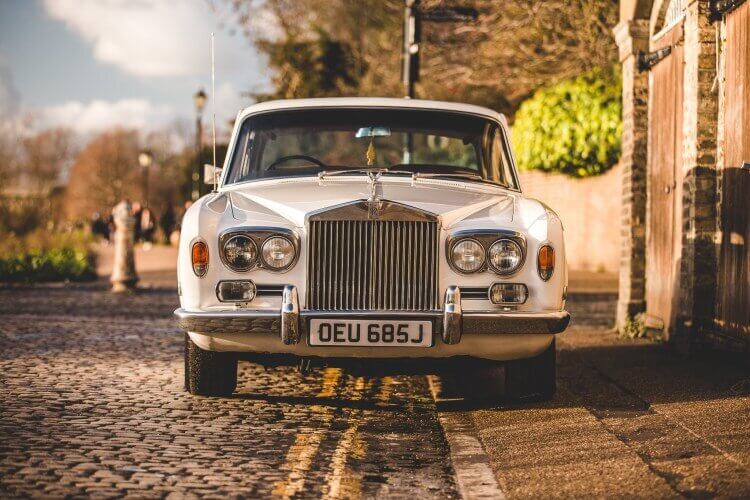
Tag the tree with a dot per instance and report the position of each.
(514, 47)
(572, 127)
(46, 155)
(104, 173)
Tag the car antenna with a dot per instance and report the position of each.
(213, 108)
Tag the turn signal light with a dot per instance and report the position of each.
(546, 262)
(508, 293)
(199, 257)
(236, 291)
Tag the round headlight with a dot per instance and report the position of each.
(240, 252)
(505, 256)
(467, 256)
(277, 253)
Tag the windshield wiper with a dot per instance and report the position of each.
(433, 175)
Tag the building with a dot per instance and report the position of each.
(685, 264)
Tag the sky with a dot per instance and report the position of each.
(96, 64)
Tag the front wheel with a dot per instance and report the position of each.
(532, 378)
(209, 373)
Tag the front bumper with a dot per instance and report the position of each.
(290, 323)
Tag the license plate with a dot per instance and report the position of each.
(332, 332)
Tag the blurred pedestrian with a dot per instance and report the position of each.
(137, 211)
(98, 227)
(148, 225)
(167, 222)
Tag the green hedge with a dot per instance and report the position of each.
(572, 127)
(56, 257)
(64, 264)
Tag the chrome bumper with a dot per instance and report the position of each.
(290, 323)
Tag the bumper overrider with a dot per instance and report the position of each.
(291, 323)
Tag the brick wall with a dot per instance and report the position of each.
(590, 211)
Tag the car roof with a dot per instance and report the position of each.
(370, 102)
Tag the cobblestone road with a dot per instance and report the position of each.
(92, 405)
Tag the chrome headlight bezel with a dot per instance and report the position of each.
(486, 238)
(259, 236)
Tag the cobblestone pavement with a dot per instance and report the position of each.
(92, 405)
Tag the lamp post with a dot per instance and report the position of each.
(200, 99)
(145, 160)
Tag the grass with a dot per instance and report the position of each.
(45, 256)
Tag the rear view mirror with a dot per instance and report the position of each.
(373, 132)
(211, 174)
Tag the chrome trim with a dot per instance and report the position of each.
(452, 316)
(259, 235)
(368, 210)
(290, 330)
(364, 264)
(486, 237)
(231, 321)
(268, 321)
(492, 322)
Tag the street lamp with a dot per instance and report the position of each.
(145, 160)
(200, 99)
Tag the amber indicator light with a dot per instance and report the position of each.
(199, 256)
(546, 262)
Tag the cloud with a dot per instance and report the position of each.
(10, 97)
(157, 38)
(95, 116)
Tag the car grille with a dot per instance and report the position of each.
(372, 265)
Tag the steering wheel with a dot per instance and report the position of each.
(284, 159)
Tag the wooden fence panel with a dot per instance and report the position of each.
(733, 298)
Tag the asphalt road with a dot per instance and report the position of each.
(92, 405)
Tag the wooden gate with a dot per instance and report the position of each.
(664, 182)
(733, 284)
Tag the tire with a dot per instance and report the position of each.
(532, 378)
(209, 373)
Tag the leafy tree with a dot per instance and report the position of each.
(104, 173)
(514, 47)
(572, 127)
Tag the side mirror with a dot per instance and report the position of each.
(211, 174)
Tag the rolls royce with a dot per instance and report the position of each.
(370, 229)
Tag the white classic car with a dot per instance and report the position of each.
(371, 228)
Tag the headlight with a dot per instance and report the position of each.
(505, 256)
(277, 253)
(467, 256)
(240, 252)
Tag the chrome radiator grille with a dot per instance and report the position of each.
(372, 265)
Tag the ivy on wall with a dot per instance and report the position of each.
(572, 127)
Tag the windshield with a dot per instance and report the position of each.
(308, 142)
